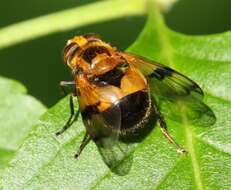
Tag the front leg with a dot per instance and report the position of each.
(64, 84)
(72, 110)
(69, 121)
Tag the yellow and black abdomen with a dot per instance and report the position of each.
(127, 112)
(134, 109)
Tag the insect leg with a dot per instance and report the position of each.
(84, 142)
(164, 130)
(64, 84)
(69, 123)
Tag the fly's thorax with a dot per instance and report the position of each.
(103, 63)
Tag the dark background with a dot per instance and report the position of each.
(38, 63)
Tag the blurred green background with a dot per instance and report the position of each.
(38, 63)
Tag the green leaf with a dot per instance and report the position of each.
(18, 112)
(45, 161)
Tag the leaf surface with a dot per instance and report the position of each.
(18, 112)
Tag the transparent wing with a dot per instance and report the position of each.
(164, 80)
(117, 154)
(105, 129)
(196, 112)
(111, 121)
(112, 149)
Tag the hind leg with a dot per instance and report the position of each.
(164, 130)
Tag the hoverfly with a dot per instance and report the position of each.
(113, 89)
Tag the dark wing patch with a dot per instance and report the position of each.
(165, 81)
(161, 73)
(170, 82)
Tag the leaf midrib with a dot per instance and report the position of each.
(167, 52)
(190, 146)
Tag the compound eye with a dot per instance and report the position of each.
(92, 37)
(69, 52)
